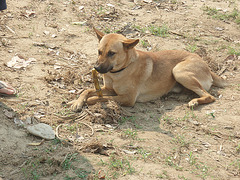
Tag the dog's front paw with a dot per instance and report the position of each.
(76, 105)
(193, 103)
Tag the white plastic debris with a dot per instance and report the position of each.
(18, 62)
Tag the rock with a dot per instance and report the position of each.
(42, 130)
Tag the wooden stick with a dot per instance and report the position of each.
(96, 83)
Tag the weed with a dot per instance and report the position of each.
(189, 115)
(233, 51)
(81, 173)
(129, 133)
(223, 16)
(161, 31)
(167, 120)
(170, 161)
(198, 167)
(145, 154)
(130, 119)
(139, 28)
(56, 141)
(118, 166)
(164, 175)
(238, 87)
(64, 112)
(235, 164)
(180, 139)
(107, 30)
(32, 169)
(67, 163)
(192, 48)
(145, 43)
(182, 177)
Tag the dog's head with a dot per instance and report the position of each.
(113, 51)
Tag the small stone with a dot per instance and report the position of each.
(42, 130)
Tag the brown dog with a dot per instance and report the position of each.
(131, 75)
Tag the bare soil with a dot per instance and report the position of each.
(162, 139)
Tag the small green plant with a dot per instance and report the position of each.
(180, 139)
(238, 148)
(238, 87)
(145, 43)
(107, 30)
(67, 163)
(198, 167)
(235, 164)
(131, 120)
(161, 31)
(166, 120)
(192, 48)
(64, 112)
(217, 14)
(170, 162)
(163, 175)
(118, 166)
(129, 133)
(145, 154)
(233, 51)
(32, 169)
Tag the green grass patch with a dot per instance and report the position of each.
(234, 15)
(118, 167)
(161, 31)
(233, 51)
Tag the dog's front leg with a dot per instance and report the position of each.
(124, 100)
(76, 105)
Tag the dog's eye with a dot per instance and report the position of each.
(99, 52)
(110, 54)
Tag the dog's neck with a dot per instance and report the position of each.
(131, 56)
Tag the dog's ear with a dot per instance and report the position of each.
(99, 34)
(130, 43)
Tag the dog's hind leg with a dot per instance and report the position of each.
(198, 81)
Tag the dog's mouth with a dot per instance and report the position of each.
(101, 69)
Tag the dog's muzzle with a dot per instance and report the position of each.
(102, 69)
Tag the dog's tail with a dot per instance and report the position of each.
(218, 81)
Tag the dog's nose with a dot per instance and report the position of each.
(97, 68)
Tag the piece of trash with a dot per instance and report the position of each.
(81, 7)
(18, 62)
(72, 91)
(42, 130)
(39, 115)
(54, 36)
(110, 5)
(46, 33)
(57, 66)
(147, 1)
(219, 28)
(82, 23)
(129, 152)
(29, 13)
(101, 174)
(18, 122)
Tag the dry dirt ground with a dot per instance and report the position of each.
(162, 139)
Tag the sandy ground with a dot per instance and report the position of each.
(162, 139)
